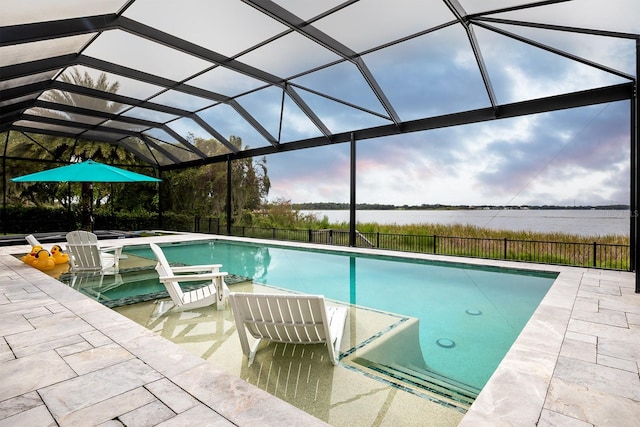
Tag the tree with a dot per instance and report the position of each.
(202, 191)
(194, 191)
(49, 148)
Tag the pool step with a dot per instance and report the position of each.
(453, 392)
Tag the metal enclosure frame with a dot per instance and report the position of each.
(23, 83)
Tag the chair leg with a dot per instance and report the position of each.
(222, 291)
(252, 352)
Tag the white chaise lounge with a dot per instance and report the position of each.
(293, 319)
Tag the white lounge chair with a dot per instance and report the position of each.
(294, 319)
(31, 239)
(171, 277)
(86, 255)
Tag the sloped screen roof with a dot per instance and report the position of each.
(291, 74)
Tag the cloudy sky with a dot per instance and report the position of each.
(576, 157)
(570, 157)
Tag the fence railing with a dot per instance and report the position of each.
(593, 254)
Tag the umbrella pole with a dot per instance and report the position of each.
(87, 206)
(70, 219)
(91, 220)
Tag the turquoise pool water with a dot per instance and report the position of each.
(469, 316)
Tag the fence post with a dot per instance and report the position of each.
(243, 227)
(273, 233)
(435, 246)
(505, 248)
(378, 239)
(196, 224)
(310, 236)
(595, 252)
(330, 237)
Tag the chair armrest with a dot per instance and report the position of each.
(213, 268)
(116, 249)
(192, 277)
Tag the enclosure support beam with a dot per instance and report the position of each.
(352, 198)
(229, 196)
(4, 184)
(633, 229)
(160, 200)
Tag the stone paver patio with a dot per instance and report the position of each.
(67, 360)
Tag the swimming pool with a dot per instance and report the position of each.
(469, 316)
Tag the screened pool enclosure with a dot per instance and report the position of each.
(288, 75)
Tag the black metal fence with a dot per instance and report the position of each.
(579, 254)
(594, 254)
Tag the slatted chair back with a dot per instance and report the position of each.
(294, 319)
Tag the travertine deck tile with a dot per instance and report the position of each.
(579, 349)
(111, 423)
(15, 405)
(607, 317)
(69, 396)
(53, 319)
(598, 377)
(148, 415)
(37, 312)
(199, 416)
(96, 338)
(586, 290)
(97, 358)
(554, 419)
(591, 405)
(29, 373)
(490, 409)
(633, 319)
(163, 355)
(621, 348)
(13, 324)
(56, 307)
(237, 400)
(22, 342)
(102, 411)
(37, 347)
(171, 395)
(618, 363)
(38, 416)
(74, 348)
(104, 319)
(629, 305)
(5, 351)
(585, 304)
(25, 307)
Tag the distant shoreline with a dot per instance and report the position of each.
(584, 222)
(327, 206)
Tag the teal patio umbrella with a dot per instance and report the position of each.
(86, 172)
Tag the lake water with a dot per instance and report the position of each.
(580, 222)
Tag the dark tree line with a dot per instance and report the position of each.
(194, 191)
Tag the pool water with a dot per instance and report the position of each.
(469, 316)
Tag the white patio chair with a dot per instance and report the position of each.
(86, 255)
(171, 277)
(31, 239)
(292, 319)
